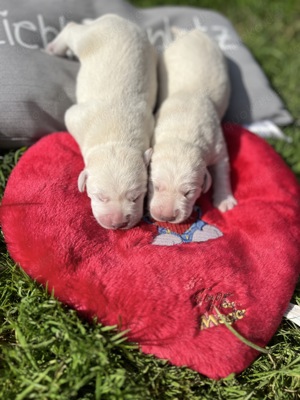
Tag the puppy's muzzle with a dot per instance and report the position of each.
(169, 217)
(119, 225)
(119, 221)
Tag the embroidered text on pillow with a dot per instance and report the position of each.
(220, 33)
(13, 31)
(205, 300)
(211, 320)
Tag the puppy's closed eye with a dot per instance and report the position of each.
(134, 196)
(103, 199)
(189, 194)
(100, 197)
(158, 187)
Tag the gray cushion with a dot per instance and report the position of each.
(36, 89)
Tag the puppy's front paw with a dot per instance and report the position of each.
(57, 47)
(225, 204)
(50, 48)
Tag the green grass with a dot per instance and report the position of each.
(48, 352)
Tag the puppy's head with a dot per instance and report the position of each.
(115, 179)
(177, 178)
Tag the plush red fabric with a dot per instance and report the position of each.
(165, 295)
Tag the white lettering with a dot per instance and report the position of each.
(163, 34)
(3, 14)
(46, 30)
(161, 38)
(7, 29)
(198, 25)
(224, 39)
(62, 22)
(8, 32)
(28, 26)
(15, 34)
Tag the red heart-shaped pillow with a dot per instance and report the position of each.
(165, 295)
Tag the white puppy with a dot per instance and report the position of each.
(113, 119)
(193, 92)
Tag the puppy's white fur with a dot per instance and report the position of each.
(194, 93)
(113, 119)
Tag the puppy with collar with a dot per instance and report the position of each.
(193, 96)
(112, 121)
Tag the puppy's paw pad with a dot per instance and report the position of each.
(226, 204)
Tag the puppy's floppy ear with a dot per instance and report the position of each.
(207, 181)
(82, 180)
(147, 156)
